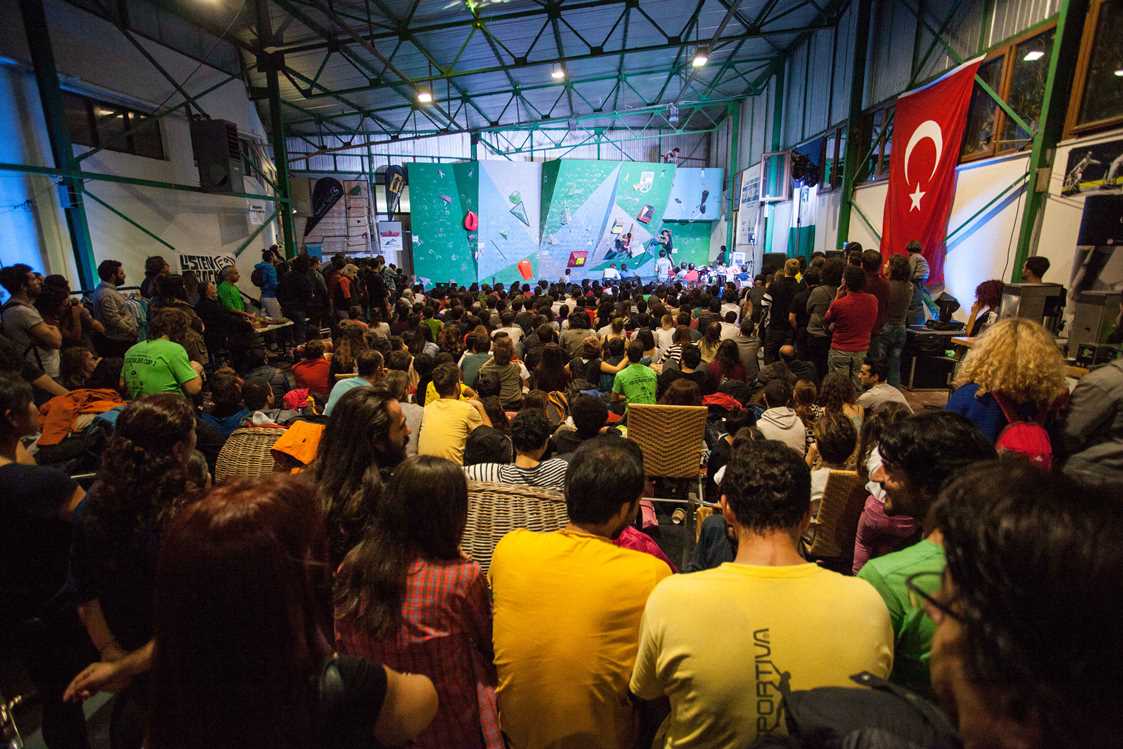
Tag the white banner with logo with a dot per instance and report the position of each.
(390, 243)
(205, 267)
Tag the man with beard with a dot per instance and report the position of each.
(919, 455)
(567, 609)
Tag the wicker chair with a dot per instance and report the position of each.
(494, 510)
(830, 539)
(246, 454)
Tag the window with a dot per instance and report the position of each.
(876, 166)
(1017, 72)
(775, 176)
(1097, 92)
(834, 154)
(115, 128)
(978, 138)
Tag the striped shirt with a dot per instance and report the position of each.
(549, 474)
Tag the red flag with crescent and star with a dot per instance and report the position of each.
(927, 135)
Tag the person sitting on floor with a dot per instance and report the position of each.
(406, 597)
(877, 391)
(530, 435)
(636, 382)
(313, 371)
(261, 405)
(1019, 654)
(369, 364)
(879, 534)
(835, 440)
(792, 620)
(448, 420)
(779, 421)
(567, 609)
(228, 411)
(919, 455)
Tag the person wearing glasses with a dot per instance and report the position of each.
(1020, 654)
(919, 455)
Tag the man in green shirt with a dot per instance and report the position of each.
(228, 293)
(919, 456)
(637, 382)
(159, 365)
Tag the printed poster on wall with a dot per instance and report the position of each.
(390, 240)
(205, 267)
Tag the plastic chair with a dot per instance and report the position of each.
(830, 538)
(494, 510)
(246, 454)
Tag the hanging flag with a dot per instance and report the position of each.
(927, 135)
(325, 195)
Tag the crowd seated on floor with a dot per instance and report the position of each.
(257, 539)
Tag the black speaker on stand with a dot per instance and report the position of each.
(772, 262)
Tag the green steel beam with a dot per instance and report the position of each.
(189, 101)
(277, 135)
(1058, 83)
(850, 163)
(958, 59)
(81, 176)
(777, 126)
(607, 140)
(253, 235)
(1002, 194)
(734, 110)
(127, 219)
(58, 132)
(866, 221)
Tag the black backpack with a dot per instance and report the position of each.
(876, 715)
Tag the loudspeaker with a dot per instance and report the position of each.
(772, 262)
(1101, 223)
(218, 154)
(926, 372)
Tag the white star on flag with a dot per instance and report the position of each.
(915, 198)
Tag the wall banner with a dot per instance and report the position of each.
(205, 267)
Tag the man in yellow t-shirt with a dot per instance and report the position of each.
(448, 420)
(567, 608)
(717, 643)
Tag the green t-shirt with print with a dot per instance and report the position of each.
(912, 628)
(637, 382)
(156, 366)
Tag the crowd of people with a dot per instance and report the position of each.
(330, 604)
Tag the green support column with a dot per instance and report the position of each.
(270, 64)
(475, 142)
(775, 143)
(50, 97)
(734, 110)
(850, 165)
(1058, 84)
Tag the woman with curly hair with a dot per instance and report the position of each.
(346, 349)
(1016, 364)
(984, 312)
(116, 544)
(161, 364)
(838, 395)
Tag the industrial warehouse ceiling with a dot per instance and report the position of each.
(363, 67)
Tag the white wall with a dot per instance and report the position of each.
(95, 59)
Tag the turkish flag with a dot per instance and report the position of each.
(927, 135)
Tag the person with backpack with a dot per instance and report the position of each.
(1011, 385)
(919, 455)
(38, 341)
(264, 277)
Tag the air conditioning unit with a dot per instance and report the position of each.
(219, 155)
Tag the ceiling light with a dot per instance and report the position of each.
(1119, 73)
(1033, 55)
(701, 57)
(424, 96)
(558, 73)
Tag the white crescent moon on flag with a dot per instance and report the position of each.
(929, 129)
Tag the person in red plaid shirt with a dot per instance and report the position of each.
(406, 597)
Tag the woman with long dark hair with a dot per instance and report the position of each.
(116, 545)
(346, 349)
(550, 373)
(243, 619)
(406, 597)
(726, 365)
(365, 434)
